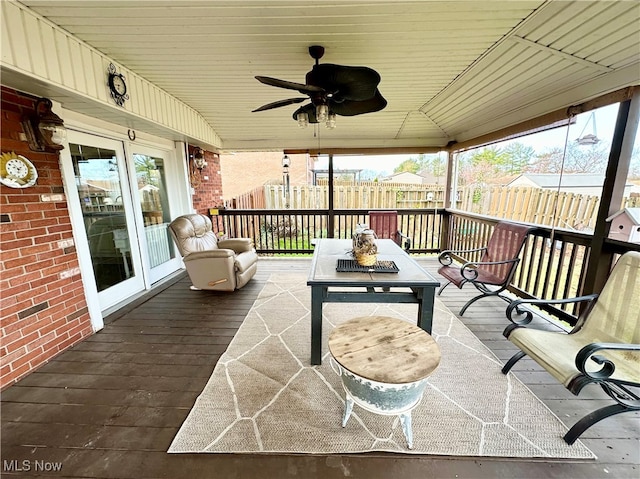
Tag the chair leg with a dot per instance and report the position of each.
(473, 300)
(442, 287)
(590, 419)
(514, 359)
(484, 295)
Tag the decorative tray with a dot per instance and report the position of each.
(351, 266)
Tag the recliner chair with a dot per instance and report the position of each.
(224, 265)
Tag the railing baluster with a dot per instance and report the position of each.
(535, 272)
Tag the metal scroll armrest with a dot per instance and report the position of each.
(528, 315)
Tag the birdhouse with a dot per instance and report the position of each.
(625, 225)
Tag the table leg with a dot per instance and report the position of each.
(425, 308)
(317, 293)
(405, 421)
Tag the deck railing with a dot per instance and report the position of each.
(552, 264)
(292, 231)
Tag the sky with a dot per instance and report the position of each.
(605, 120)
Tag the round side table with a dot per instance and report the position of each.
(384, 364)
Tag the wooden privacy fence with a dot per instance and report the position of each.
(526, 204)
(533, 205)
(364, 195)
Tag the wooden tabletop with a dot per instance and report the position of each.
(384, 349)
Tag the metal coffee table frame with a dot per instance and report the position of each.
(412, 284)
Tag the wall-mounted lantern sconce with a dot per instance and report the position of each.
(198, 163)
(198, 158)
(44, 129)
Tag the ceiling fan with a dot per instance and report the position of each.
(332, 89)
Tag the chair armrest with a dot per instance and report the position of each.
(238, 245)
(469, 270)
(446, 258)
(515, 306)
(407, 240)
(608, 366)
(214, 253)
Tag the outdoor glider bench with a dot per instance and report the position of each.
(493, 273)
(603, 348)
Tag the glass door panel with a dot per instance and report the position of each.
(107, 212)
(154, 204)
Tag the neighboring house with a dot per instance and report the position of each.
(429, 178)
(582, 184)
(404, 177)
(625, 225)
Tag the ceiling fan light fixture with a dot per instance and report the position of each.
(331, 121)
(322, 112)
(303, 119)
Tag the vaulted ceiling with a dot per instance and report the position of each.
(451, 70)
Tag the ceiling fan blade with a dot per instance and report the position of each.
(289, 85)
(348, 83)
(279, 103)
(352, 108)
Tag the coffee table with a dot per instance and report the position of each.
(411, 284)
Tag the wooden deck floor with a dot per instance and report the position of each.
(110, 406)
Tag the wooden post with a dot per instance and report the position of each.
(451, 190)
(600, 258)
(332, 218)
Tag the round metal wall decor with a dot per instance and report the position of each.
(117, 85)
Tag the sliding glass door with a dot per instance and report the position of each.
(158, 250)
(108, 215)
(121, 193)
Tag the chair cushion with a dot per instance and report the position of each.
(453, 273)
(556, 352)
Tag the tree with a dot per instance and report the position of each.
(432, 164)
(578, 159)
(519, 156)
(480, 166)
(411, 165)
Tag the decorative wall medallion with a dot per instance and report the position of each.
(16, 171)
(117, 85)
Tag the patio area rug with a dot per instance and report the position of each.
(264, 397)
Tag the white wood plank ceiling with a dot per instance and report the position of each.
(451, 70)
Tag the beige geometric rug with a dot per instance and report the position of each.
(264, 396)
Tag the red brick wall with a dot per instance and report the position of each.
(208, 194)
(43, 308)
